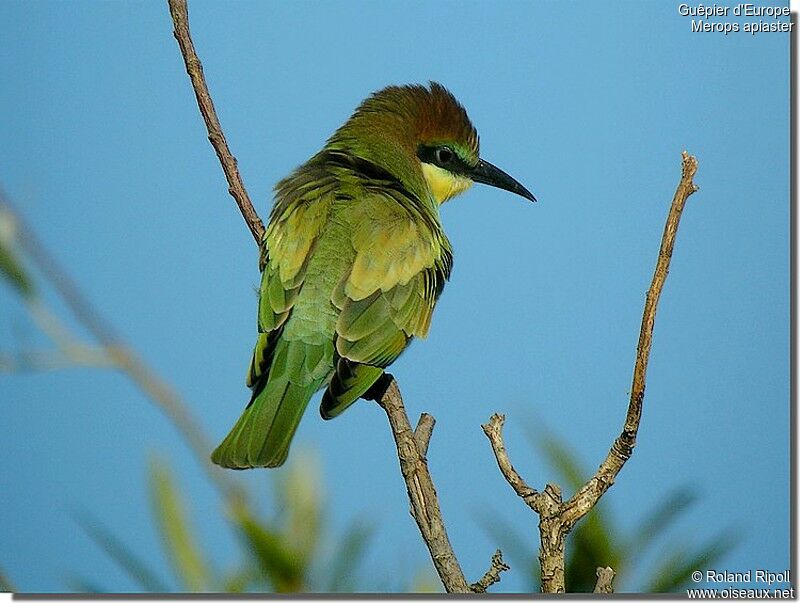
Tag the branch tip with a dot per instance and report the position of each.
(494, 425)
(494, 431)
(423, 432)
(605, 579)
(688, 170)
(492, 575)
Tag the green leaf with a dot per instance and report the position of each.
(239, 580)
(274, 554)
(589, 546)
(11, 270)
(120, 553)
(299, 500)
(563, 461)
(175, 531)
(665, 513)
(348, 556)
(674, 572)
(426, 582)
(84, 585)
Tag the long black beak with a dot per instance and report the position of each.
(486, 173)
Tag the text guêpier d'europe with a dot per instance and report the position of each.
(769, 18)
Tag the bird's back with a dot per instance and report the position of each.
(355, 263)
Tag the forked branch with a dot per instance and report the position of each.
(421, 491)
(557, 518)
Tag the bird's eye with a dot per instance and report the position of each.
(443, 155)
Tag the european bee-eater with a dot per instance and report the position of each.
(356, 258)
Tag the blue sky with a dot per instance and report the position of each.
(588, 104)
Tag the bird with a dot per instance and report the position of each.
(354, 260)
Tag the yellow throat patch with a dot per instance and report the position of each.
(443, 184)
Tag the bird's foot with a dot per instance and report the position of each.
(377, 389)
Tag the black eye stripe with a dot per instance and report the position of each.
(427, 154)
(442, 156)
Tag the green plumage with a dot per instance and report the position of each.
(356, 259)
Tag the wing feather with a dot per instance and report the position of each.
(389, 295)
(296, 222)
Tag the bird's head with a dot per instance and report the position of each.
(422, 136)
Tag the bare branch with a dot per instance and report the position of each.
(494, 431)
(423, 432)
(180, 18)
(492, 575)
(546, 504)
(557, 518)
(605, 579)
(622, 448)
(422, 494)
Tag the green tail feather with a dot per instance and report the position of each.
(347, 385)
(262, 435)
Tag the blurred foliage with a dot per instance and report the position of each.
(11, 268)
(597, 540)
(5, 584)
(136, 569)
(282, 554)
(171, 517)
(291, 551)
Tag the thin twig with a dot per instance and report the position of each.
(69, 352)
(622, 448)
(494, 431)
(557, 518)
(180, 18)
(605, 579)
(492, 575)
